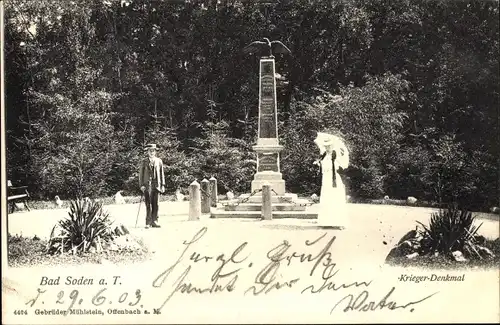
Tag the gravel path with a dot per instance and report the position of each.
(377, 220)
(373, 229)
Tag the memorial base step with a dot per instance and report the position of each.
(258, 207)
(219, 214)
(257, 198)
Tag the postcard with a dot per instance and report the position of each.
(207, 161)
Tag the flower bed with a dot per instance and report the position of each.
(25, 251)
(450, 240)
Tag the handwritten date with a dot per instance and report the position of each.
(75, 298)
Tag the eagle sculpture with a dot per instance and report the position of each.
(267, 48)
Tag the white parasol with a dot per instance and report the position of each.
(323, 139)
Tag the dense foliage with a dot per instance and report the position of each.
(412, 85)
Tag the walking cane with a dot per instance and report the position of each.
(139, 210)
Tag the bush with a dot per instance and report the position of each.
(364, 182)
(297, 159)
(404, 173)
(450, 240)
(87, 226)
(449, 230)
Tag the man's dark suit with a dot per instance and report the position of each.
(152, 177)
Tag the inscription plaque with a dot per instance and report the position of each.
(267, 67)
(268, 162)
(267, 93)
(267, 83)
(267, 126)
(267, 104)
(267, 107)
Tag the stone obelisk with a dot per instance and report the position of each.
(272, 202)
(268, 147)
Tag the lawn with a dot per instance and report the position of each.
(30, 251)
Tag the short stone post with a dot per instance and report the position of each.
(267, 212)
(194, 201)
(213, 191)
(205, 196)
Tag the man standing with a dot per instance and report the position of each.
(151, 182)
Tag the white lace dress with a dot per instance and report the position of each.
(332, 203)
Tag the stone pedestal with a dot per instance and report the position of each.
(268, 169)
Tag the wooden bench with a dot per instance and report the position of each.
(17, 193)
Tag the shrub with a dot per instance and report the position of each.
(19, 246)
(87, 226)
(449, 230)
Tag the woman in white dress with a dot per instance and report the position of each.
(332, 203)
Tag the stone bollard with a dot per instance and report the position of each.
(267, 212)
(205, 196)
(213, 191)
(194, 201)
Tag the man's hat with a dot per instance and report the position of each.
(150, 146)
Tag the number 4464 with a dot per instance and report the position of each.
(20, 312)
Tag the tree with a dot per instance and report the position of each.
(75, 148)
(370, 121)
(409, 74)
(216, 154)
(72, 141)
